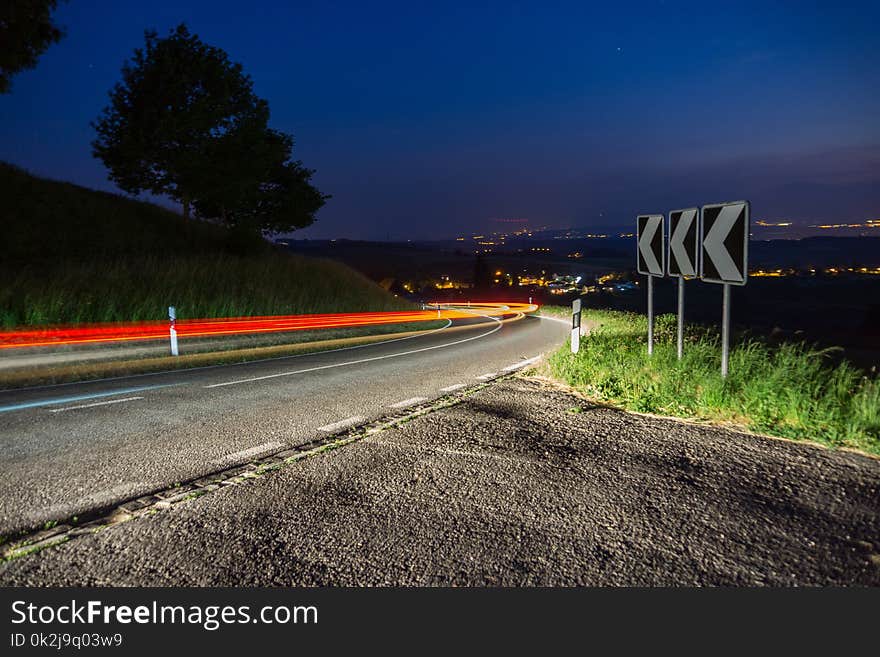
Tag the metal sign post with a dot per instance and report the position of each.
(575, 325)
(683, 255)
(679, 329)
(172, 316)
(725, 329)
(651, 260)
(650, 315)
(724, 235)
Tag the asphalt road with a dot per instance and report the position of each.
(68, 449)
(517, 484)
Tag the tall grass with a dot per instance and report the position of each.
(220, 285)
(71, 255)
(791, 390)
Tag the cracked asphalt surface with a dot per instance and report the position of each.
(519, 484)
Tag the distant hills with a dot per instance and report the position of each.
(819, 251)
(816, 252)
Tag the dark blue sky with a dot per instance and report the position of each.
(428, 122)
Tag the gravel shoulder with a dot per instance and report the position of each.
(521, 483)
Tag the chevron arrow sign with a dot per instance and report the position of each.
(724, 234)
(651, 257)
(683, 242)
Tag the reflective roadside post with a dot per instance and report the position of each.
(172, 316)
(575, 325)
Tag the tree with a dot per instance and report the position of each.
(184, 122)
(270, 193)
(26, 31)
(176, 95)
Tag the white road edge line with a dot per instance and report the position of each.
(567, 322)
(249, 453)
(521, 364)
(342, 424)
(412, 401)
(488, 375)
(103, 403)
(453, 387)
(359, 361)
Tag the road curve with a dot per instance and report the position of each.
(67, 449)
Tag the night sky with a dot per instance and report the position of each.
(429, 122)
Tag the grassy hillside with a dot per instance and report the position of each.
(72, 254)
(790, 390)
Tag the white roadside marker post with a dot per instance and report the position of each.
(575, 325)
(172, 316)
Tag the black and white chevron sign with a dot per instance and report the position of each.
(651, 258)
(724, 235)
(683, 242)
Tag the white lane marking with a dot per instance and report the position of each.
(360, 360)
(521, 364)
(75, 398)
(249, 453)
(567, 322)
(342, 424)
(412, 401)
(453, 387)
(103, 403)
(487, 376)
(246, 362)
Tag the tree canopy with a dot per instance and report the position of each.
(26, 31)
(184, 122)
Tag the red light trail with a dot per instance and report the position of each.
(197, 328)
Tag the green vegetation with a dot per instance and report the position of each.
(184, 122)
(200, 286)
(26, 31)
(73, 255)
(790, 390)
